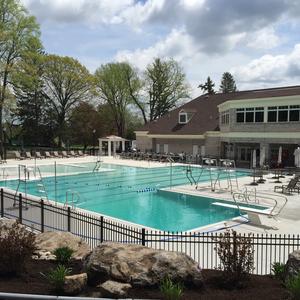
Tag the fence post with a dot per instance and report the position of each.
(101, 229)
(2, 203)
(20, 208)
(69, 218)
(42, 216)
(143, 237)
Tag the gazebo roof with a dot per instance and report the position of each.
(112, 138)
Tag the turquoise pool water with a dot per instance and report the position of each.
(132, 194)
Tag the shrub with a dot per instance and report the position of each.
(278, 270)
(57, 276)
(171, 290)
(236, 254)
(63, 255)
(293, 285)
(16, 247)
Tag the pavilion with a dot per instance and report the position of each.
(113, 142)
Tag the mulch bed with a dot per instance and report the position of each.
(258, 287)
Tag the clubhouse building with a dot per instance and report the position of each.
(230, 125)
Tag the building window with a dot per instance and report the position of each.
(283, 114)
(294, 113)
(259, 114)
(225, 117)
(182, 118)
(272, 114)
(240, 115)
(250, 115)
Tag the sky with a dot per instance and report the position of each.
(258, 41)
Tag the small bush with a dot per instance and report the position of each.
(57, 276)
(293, 285)
(278, 270)
(63, 255)
(171, 290)
(16, 247)
(236, 254)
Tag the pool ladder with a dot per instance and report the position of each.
(72, 198)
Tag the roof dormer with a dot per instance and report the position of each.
(185, 116)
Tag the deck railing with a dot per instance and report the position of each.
(43, 216)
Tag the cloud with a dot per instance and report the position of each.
(271, 69)
(71, 11)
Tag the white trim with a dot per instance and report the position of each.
(264, 135)
(257, 102)
(141, 133)
(177, 136)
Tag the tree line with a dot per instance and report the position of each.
(47, 99)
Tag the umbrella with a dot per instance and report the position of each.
(254, 159)
(262, 157)
(202, 150)
(279, 161)
(297, 157)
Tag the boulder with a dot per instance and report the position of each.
(49, 241)
(292, 266)
(140, 266)
(75, 284)
(114, 289)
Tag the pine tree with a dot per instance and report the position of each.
(227, 83)
(208, 86)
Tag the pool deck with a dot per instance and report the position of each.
(288, 222)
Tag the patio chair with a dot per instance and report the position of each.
(80, 153)
(18, 155)
(38, 155)
(65, 154)
(72, 153)
(28, 155)
(48, 155)
(292, 186)
(56, 154)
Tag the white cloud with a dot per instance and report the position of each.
(265, 38)
(268, 69)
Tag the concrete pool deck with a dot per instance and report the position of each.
(288, 222)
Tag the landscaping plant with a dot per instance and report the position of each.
(293, 285)
(236, 254)
(63, 255)
(56, 277)
(171, 290)
(16, 247)
(278, 270)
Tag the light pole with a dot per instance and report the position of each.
(94, 140)
(4, 143)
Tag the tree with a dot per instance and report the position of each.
(164, 86)
(17, 31)
(113, 89)
(227, 83)
(66, 84)
(85, 124)
(31, 102)
(208, 86)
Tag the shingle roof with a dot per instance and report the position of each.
(206, 116)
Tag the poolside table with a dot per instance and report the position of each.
(278, 173)
(254, 175)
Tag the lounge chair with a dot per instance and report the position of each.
(48, 155)
(28, 155)
(18, 155)
(80, 153)
(72, 153)
(56, 154)
(38, 155)
(292, 186)
(65, 154)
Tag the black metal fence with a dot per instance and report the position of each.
(94, 229)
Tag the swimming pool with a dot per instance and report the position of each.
(133, 194)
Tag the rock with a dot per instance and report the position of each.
(75, 284)
(43, 255)
(139, 265)
(114, 289)
(292, 266)
(49, 241)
